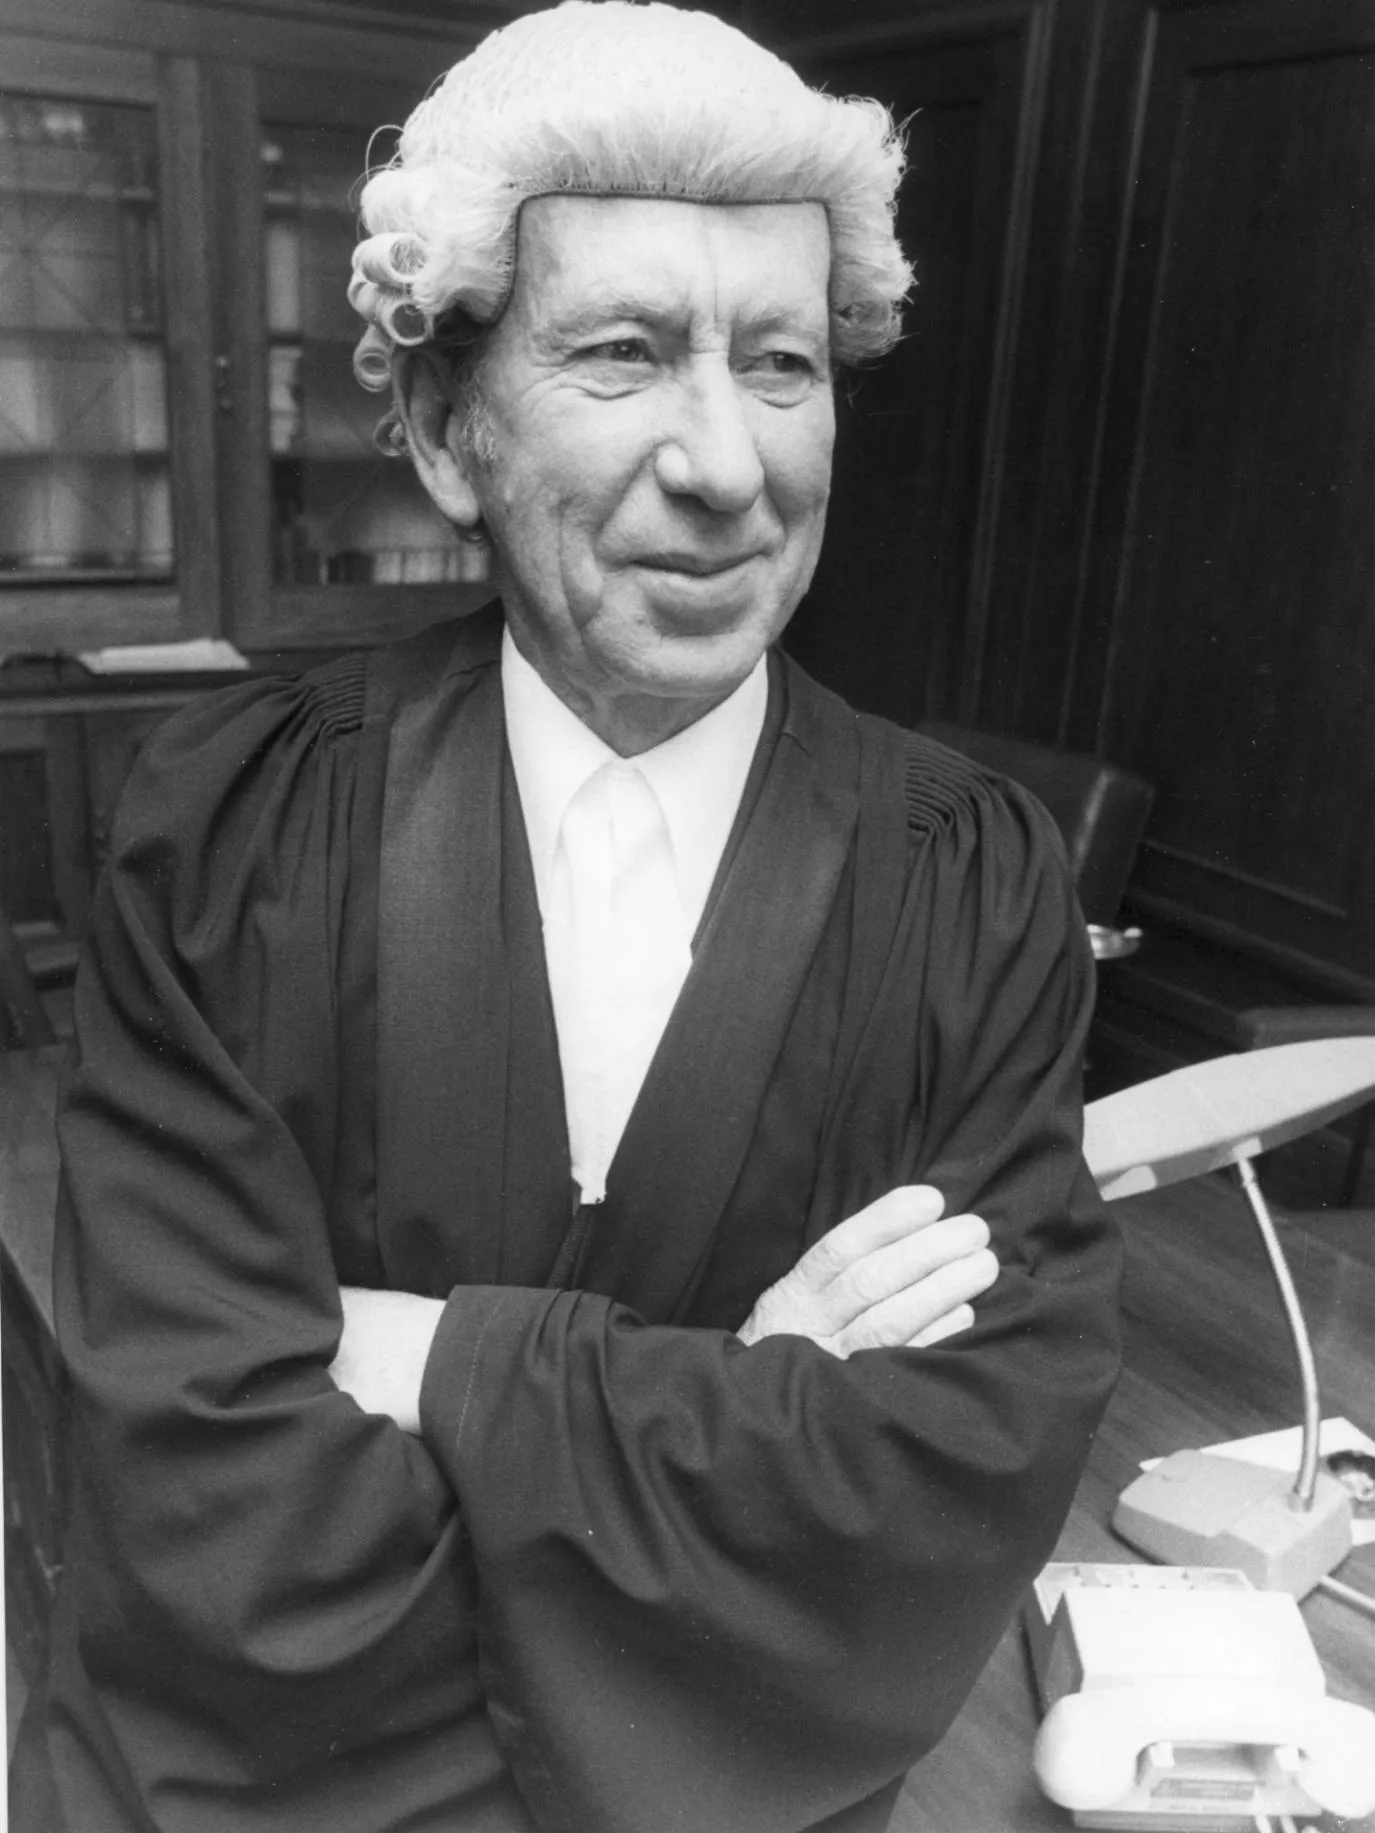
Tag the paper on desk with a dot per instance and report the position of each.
(202, 654)
(1280, 1451)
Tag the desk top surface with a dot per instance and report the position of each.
(1207, 1359)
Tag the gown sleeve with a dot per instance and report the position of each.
(271, 1598)
(761, 1581)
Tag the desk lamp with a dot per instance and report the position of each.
(1194, 1508)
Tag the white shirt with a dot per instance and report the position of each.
(612, 989)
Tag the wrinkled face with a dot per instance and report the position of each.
(659, 402)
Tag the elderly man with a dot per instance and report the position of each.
(545, 1092)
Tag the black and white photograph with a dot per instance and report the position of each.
(687, 915)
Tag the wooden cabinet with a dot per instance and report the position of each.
(337, 542)
(183, 448)
(103, 473)
(1115, 491)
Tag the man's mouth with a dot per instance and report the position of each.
(698, 566)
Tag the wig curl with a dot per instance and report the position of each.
(608, 98)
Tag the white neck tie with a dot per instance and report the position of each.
(619, 953)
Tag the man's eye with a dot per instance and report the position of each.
(782, 375)
(788, 363)
(620, 350)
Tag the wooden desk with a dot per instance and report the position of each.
(1207, 1359)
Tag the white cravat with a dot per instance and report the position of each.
(619, 951)
(624, 853)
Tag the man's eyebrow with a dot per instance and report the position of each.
(607, 306)
(768, 315)
(788, 315)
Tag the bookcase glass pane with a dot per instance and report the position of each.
(85, 488)
(342, 512)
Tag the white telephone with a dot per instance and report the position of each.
(1179, 1696)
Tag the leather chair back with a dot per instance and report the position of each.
(1100, 810)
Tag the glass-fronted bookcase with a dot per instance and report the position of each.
(86, 491)
(184, 450)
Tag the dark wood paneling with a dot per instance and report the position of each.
(894, 617)
(1158, 545)
(1086, 166)
(1229, 652)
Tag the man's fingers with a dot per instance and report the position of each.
(954, 1321)
(897, 1320)
(880, 1278)
(891, 1218)
(888, 1271)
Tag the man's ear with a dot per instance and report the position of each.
(421, 386)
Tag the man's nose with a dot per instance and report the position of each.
(709, 451)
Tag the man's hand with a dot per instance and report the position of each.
(382, 1353)
(894, 1275)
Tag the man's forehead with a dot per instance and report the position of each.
(580, 255)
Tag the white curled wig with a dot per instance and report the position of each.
(609, 98)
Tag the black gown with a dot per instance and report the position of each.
(633, 1576)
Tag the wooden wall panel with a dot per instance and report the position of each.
(1143, 376)
(1232, 656)
(893, 617)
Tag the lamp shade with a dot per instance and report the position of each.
(1211, 1114)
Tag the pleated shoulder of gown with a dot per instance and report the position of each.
(266, 726)
(949, 796)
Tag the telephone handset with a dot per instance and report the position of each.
(1176, 1694)
(1095, 1748)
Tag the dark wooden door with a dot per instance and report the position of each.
(893, 619)
(1228, 622)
